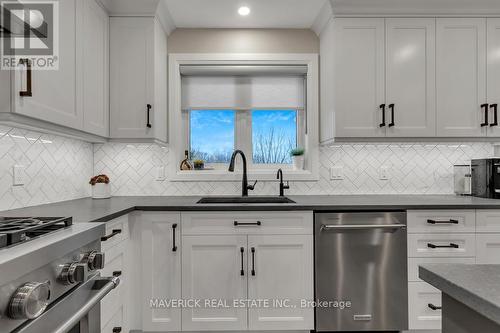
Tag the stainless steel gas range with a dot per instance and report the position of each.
(49, 276)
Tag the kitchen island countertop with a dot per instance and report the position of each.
(102, 210)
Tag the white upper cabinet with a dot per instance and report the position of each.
(53, 92)
(461, 77)
(93, 73)
(137, 87)
(358, 77)
(410, 77)
(493, 75)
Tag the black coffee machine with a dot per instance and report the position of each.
(485, 178)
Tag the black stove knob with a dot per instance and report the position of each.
(94, 260)
(73, 273)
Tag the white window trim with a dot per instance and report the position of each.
(177, 129)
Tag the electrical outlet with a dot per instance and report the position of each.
(384, 173)
(337, 173)
(19, 175)
(160, 173)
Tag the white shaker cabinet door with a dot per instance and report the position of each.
(93, 70)
(212, 270)
(461, 76)
(281, 268)
(359, 77)
(410, 77)
(53, 96)
(494, 75)
(161, 275)
(131, 76)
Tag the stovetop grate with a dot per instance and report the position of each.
(16, 230)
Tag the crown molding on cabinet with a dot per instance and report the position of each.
(323, 18)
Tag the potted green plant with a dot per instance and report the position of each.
(199, 164)
(298, 158)
(100, 187)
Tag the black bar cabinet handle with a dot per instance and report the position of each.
(495, 114)
(433, 307)
(253, 261)
(236, 223)
(117, 273)
(27, 92)
(117, 329)
(485, 107)
(174, 247)
(111, 235)
(148, 122)
(382, 107)
(391, 106)
(242, 271)
(434, 246)
(450, 221)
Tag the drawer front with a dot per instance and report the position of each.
(247, 223)
(121, 223)
(413, 264)
(488, 220)
(115, 321)
(420, 315)
(446, 245)
(114, 262)
(446, 221)
(488, 248)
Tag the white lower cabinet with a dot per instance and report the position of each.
(161, 271)
(212, 271)
(281, 270)
(424, 306)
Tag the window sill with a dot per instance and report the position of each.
(226, 176)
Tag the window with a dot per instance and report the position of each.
(266, 136)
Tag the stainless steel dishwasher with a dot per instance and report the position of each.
(361, 271)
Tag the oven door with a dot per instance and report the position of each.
(78, 311)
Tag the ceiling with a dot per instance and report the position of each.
(224, 13)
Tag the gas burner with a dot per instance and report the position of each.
(17, 230)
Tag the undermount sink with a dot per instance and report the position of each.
(250, 199)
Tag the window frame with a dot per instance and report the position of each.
(266, 172)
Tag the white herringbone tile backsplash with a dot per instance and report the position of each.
(56, 168)
(413, 168)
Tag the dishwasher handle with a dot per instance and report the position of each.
(327, 227)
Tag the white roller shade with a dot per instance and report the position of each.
(243, 92)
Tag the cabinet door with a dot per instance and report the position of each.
(131, 76)
(493, 72)
(93, 68)
(211, 270)
(359, 77)
(161, 276)
(410, 76)
(54, 91)
(461, 76)
(281, 268)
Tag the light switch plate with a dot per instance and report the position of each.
(337, 173)
(384, 173)
(18, 171)
(160, 173)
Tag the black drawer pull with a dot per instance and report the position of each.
(242, 271)
(495, 114)
(148, 122)
(28, 92)
(485, 107)
(117, 273)
(253, 261)
(236, 223)
(434, 246)
(391, 106)
(433, 307)
(382, 107)
(174, 247)
(111, 235)
(450, 221)
(117, 329)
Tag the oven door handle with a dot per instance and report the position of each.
(104, 285)
(327, 227)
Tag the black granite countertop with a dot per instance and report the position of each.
(477, 286)
(87, 209)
